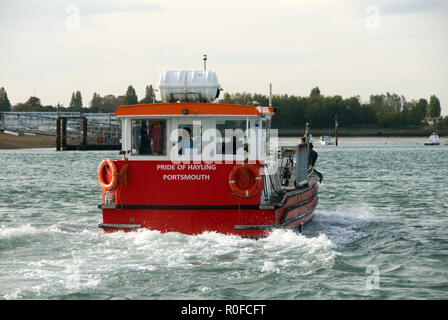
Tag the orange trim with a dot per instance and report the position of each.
(193, 109)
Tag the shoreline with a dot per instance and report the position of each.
(8, 142)
(379, 132)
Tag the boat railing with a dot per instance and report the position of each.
(301, 166)
(287, 164)
(292, 166)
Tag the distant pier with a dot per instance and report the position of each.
(72, 130)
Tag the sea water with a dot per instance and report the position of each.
(380, 232)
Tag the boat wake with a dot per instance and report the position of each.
(342, 225)
(283, 251)
(90, 262)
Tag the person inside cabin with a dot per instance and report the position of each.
(145, 142)
(187, 142)
(157, 134)
(179, 143)
(234, 145)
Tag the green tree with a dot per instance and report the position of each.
(226, 99)
(315, 92)
(393, 102)
(388, 119)
(96, 102)
(413, 113)
(110, 103)
(150, 96)
(48, 109)
(33, 104)
(434, 109)
(72, 101)
(417, 110)
(76, 101)
(383, 110)
(423, 106)
(242, 98)
(378, 102)
(5, 105)
(131, 97)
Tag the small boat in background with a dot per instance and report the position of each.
(433, 140)
(311, 138)
(325, 141)
(12, 133)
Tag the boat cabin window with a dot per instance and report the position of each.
(149, 137)
(190, 138)
(232, 135)
(267, 131)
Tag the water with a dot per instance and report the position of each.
(380, 232)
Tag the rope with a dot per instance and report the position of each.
(244, 174)
(239, 210)
(107, 170)
(273, 187)
(123, 175)
(123, 180)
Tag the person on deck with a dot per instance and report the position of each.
(312, 159)
(313, 154)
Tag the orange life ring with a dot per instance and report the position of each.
(245, 180)
(108, 178)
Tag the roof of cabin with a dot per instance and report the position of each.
(173, 109)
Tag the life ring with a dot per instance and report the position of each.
(245, 180)
(108, 178)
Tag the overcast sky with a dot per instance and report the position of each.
(347, 47)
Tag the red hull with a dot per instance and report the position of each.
(153, 200)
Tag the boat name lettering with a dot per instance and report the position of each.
(186, 167)
(181, 177)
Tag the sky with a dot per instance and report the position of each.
(51, 48)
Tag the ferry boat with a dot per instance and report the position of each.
(191, 166)
(433, 140)
(325, 141)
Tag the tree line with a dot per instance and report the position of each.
(107, 103)
(382, 110)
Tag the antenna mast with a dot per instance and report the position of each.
(204, 57)
(270, 95)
